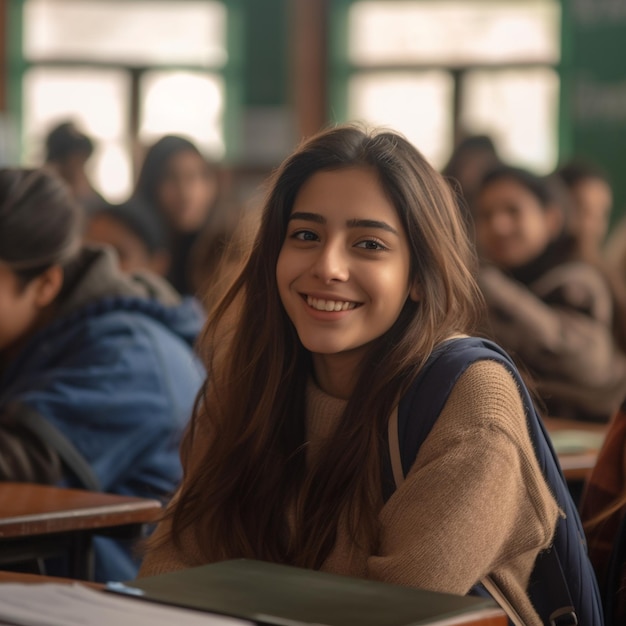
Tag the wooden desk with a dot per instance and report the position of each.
(577, 466)
(37, 579)
(38, 521)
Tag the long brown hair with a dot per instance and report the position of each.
(241, 486)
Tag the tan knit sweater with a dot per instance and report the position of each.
(474, 503)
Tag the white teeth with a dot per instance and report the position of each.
(329, 305)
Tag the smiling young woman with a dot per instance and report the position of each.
(343, 272)
(360, 268)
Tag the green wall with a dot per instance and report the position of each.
(266, 52)
(593, 93)
(267, 132)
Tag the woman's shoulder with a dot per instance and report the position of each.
(470, 381)
(486, 395)
(468, 378)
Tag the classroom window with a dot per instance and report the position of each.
(466, 66)
(520, 109)
(187, 103)
(97, 99)
(138, 32)
(127, 72)
(408, 100)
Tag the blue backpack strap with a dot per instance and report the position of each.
(549, 587)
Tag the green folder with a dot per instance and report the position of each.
(288, 596)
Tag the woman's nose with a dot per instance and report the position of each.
(331, 264)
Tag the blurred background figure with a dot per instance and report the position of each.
(67, 152)
(135, 233)
(591, 201)
(181, 187)
(615, 252)
(545, 304)
(472, 158)
(102, 359)
(588, 202)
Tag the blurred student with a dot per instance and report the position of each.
(592, 201)
(89, 357)
(545, 304)
(589, 202)
(470, 160)
(67, 152)
(136, 235)
(360, 271)
(182, 188)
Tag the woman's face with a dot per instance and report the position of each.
(186, 191)
(19, 307)
(343, 272)
(512, 227)
(593, 200)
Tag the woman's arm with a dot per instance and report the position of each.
(475, 500)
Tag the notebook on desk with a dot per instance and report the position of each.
(287, 596)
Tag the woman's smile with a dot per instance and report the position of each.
(328, 304)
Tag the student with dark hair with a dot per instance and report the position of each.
(473, 156)
(67, 152)
(592, 201)
(137, 236)
(103, 361)
(361, 268)
(545, 303)
(181, 187)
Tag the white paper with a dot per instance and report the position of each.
(52, 604)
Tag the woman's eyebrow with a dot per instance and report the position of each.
(355, 223)
(308, 217)
(372, 224)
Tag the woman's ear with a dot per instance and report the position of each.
(415, 292)
(48, 285)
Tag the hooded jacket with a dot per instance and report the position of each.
(115, 373)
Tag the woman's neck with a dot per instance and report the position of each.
(336, 374)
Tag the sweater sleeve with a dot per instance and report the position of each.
(475, 499)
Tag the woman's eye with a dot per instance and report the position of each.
(305, 235)
(371, 244)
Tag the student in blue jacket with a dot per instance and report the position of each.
(103, 360)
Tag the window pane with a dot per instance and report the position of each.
(419, 105)
(96, 101)
(185, 103)
(519, 109)
(132, 31)
(454, 32)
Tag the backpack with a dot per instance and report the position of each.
(562, 587)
